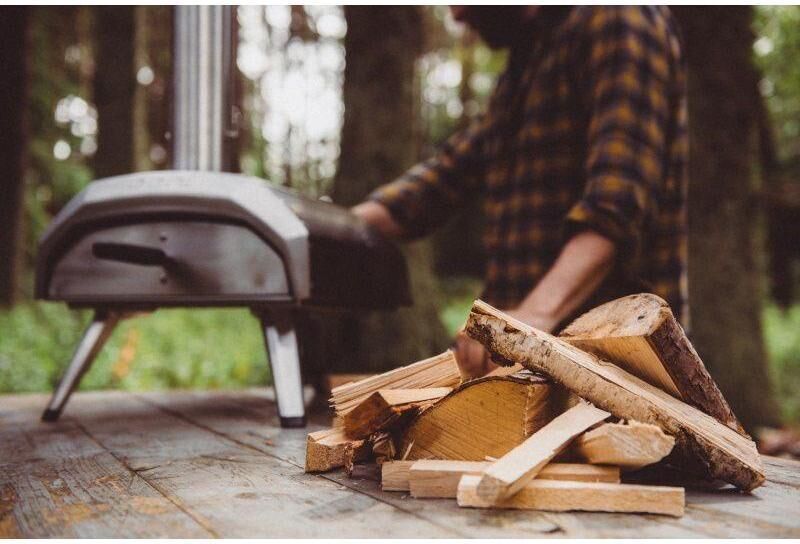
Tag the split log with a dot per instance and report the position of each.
(383, 408)
(487, 416)
(515, 469)
(561, 496)
(395, 475)
(330, 448)
(702, 441)
(439, 479)
(640, 334)
(438, 371)
(630, 446)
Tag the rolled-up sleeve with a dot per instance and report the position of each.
(627, 86)
(429, 193)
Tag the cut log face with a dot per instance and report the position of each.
(640, 334)
(702, 440)
(383, 408)
(330, 448)
(487, 416)
(438, 371)
(515, 469)
(439, 479)
(630, 446)
(562, 496)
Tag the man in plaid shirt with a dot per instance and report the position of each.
(580, 161)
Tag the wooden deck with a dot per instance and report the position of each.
(184, 464)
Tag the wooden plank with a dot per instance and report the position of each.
(248, 417)
(487, 416)
(704, 443)
(439, 478)
(86, 497)
(630, 446)
(58, 483)
(515, 469)
(438, 371)
(394, 475)
(640, 334)
(254, 423)
(585, 496)
(232, 488)
(385, 406)
(330, 448)
(784, 471)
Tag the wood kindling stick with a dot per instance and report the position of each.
(439, 478)
(562, 496)
(515, 469)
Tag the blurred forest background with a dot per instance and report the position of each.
(334, 101)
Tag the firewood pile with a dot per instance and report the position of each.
(574, 422)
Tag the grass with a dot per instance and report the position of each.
(210, 349)
(166, 349)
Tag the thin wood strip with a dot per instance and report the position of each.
(561, 496)
(514, 470)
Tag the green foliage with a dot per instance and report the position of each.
(458, 294)
(167, 349)
(778, 56)
(782, 332)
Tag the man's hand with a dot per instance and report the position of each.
(473, 359)
(379, 218)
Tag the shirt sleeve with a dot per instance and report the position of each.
(627, 77)
(429, 193)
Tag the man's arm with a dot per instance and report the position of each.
(427, 195)
(378, 216)
(583, 264)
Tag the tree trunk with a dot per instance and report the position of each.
(114, 89)
(13, 144)
(725, 287)
(378, 144)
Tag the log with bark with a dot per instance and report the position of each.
(640, 334)
(701, 440)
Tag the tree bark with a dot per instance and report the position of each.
(14, 53)
(725, 288)
(114, 89)
(378, 144)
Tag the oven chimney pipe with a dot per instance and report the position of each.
(204, 64)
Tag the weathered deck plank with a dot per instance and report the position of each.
(56, 481)
(217, 464)
(234, 490)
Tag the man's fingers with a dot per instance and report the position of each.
(472, 358)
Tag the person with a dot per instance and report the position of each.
(580, 161)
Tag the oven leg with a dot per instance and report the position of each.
(284, 360)
(94, 337)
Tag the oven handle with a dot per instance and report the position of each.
(131, 253)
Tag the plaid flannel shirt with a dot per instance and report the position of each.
(586, 129)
